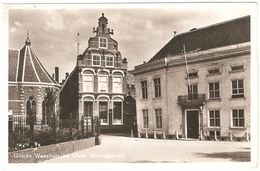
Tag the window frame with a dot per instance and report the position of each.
(101, 121)
(107, 83)
(145, 118)
(106, 43)
(214, 118)
(157, 87)
(113, 114)
(96, 60)
(109, 56)
(113, 83)
(214, 90)
(85, 82)
(237, 89)
(238, 118)
(237, 68)
(158, 118)
(144, 89)
(192, 93)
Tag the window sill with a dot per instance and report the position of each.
(214, 128)
(215, 99)
(186, 78)
(237, 98)
(157, 98)
(144, 99)
(117, 124)
(230, 72)
(208, 75)
(238, 128)
(158, 129)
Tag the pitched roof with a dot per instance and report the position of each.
(24, 66)
(222, 34)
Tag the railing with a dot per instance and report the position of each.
(23, 135)
(192, 100)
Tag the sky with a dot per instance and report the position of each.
(141, 30)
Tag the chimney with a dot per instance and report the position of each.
(175, 32)
(57, 74)
(53, 76)
(66, 75)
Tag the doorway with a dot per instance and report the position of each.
(192, 124)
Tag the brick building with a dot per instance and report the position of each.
(28, 84)
(97, 86)
(208, 96)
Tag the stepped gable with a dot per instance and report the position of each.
(222, 34)
(24, 66)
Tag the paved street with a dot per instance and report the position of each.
(125, 149)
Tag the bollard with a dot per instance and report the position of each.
(146, 134)
(132, 135)
(247, 136)
(230, 136)
(201, 137)
(139, 134)
(215, 135)
(154, 135)
(164, 136)
(177, 134)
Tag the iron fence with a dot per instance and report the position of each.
(25, 132)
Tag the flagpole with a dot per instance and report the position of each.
(187, 69)
(78, 44)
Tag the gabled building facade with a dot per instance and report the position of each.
(28, 85)
(97, 87)
(198, 84)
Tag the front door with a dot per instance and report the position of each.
(192, 124)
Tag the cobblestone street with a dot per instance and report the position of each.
(125, 149)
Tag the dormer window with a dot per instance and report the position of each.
(103, 42)
(237, 68)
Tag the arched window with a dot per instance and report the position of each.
(103, 82)
(103, 110)
(88, 81)
(117, 111)
(117, 82)
(30, 110)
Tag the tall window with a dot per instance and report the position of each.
(103, 42)
(88, 80)
(238, 118)
(103, 82)
(145, 118)
(158, 116)
(110, 61)
(117, 84)
(214, 90)
(157, 87)
(214, 118)
(103, 113)
(30, 111)
(144, 89)
(237, 89)
(193, 92)
(88, 109)
(117, 115)
(96, 60)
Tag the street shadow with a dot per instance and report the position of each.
(238, 156)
